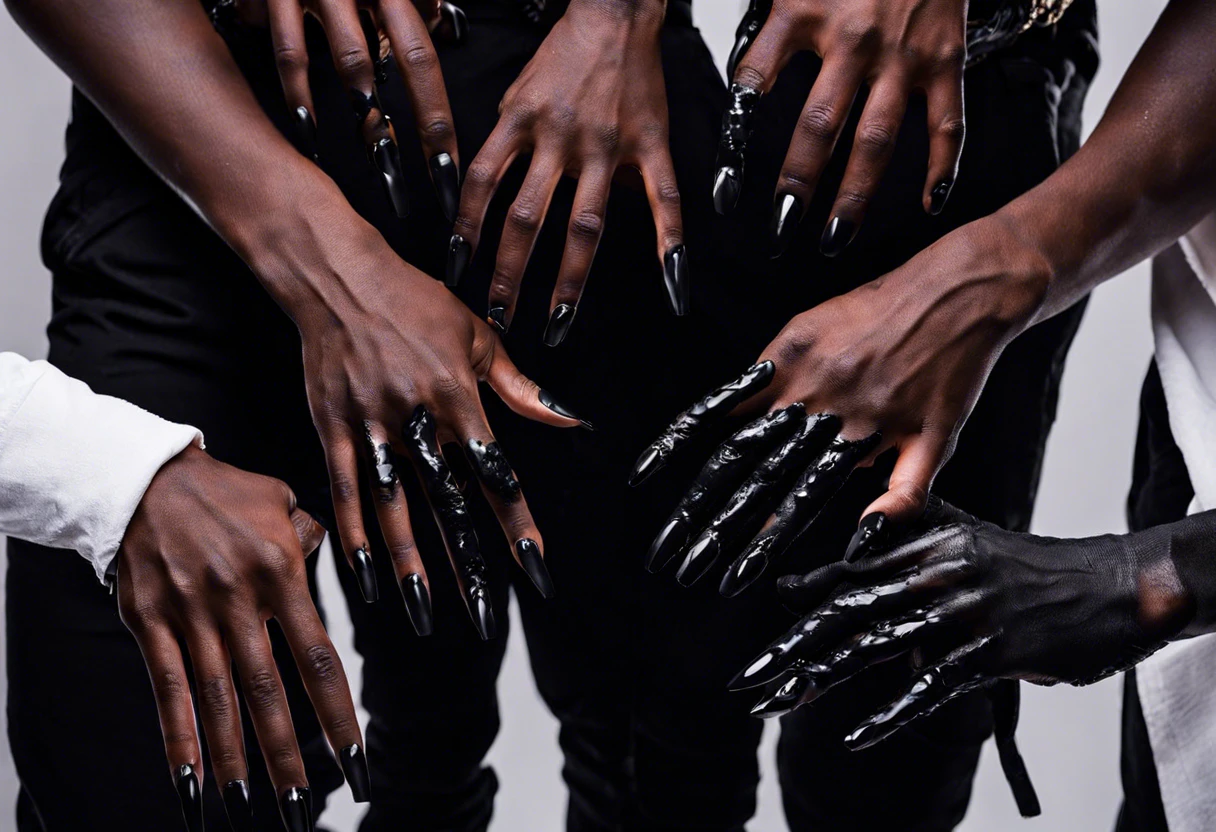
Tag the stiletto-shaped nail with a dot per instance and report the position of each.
(446, 177)
(534, 564)
(388, 162)
(354, 768)
(497, 316)
(417, 603)
(787, 214)
(939, 195)
(649, 462)
(237, 806)
(365, 573)
(547, 400)
(868, 530)
(306, 133)
(296, 807)
(675, 278)
(745, 570)
(783, 700)
(459, 254)
(453, 25)
(483, 614)
(559, 324)
(727, 186)
(838, 234)
(667, 545)
(754, 675)
(699, 559)
(191, 797)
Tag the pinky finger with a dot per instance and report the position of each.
(947, 130)
(664, 196)
(341, 458)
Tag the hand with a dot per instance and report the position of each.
(210, 555)
(591, 100)
(897, 48)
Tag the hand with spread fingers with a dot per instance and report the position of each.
(209, 556)
(591, 100)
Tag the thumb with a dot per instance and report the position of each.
(308, 530)
(525, 396)
(908, 489)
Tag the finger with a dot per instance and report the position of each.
(393, 514)
(582, 239)
(525, 396)
(798, 510)
(873, 144)
(708, 411)
(480, 184)
(745, 33)
(342, 460)
(911, 478)
(455, 523)
(724, 471)
(419, 65)
(309, 531)
(662, 191)
(753, 503)
(291, 58)
(947, 130)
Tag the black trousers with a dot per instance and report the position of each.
(149, 305)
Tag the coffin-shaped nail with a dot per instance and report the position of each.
(354, 768)
(497, 317)
(190, 795)
(783, 700)
(547, 400)
(667, 544)
(727, 187)
(533, 563)
(939, 195)
(306, 133)
(417, 603)
(237, 806)
(483, 613)
(787, 214)
(365, 574)
(459, 254)
(838, 234)
(868, 530)
(700, 558)
(492, 469)
(446, 177)
(296, 807)
(388, 162)
(675, 279)
(559, 324)
(453, 24)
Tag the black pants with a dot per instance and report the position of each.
(150, 306)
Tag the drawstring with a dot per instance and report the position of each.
(1006, 696)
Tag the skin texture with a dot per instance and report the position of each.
(211, 554)
(592, 100)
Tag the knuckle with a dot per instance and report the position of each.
(875, 138)
(285, 758)
(420, 58)
(353, 61)
(749, 76)
(291, 60)
(447, 386)
(851, 199)
(344, 488)
(524, 216)
(480, 176)
(215, 698)
(954, 129)
(587, 225)
(795, 181)
(792, 351)
(437, 129)
(502, 285)
(950, 58)
(606, 137)
(403, 551)
(819, 121)
(863, 36)
(323, 664)
(226, 758)
(262, 690)
(667, 192)
(169, 687)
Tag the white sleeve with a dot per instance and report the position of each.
(74, 464)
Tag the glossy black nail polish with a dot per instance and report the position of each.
(490, 465)
(745, 35)
(459, 254)
(388, 162)
(365, 574)
(667, 544)
(446, 177)
(497, 316)
(559, 324)
(787, 214)
(306, 133)
(675, 279)
(417, 603)
(868, 530)
(728, 184)
(483, 614)
(296, 808)
(546, 399)
(743, 572)
(838, 234)
(783, 700)
(453, 26)
(650, 461)
(237, 806)
(700, 558)
(755, 673)
(191, 797)
(939, 195)
(354, 768)
(534, 564)
(362, 103)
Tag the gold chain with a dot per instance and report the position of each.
(1046, 12)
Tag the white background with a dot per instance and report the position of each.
(1069, 736)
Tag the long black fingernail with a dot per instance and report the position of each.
(417, 603)
(497, 316)
(483, 613)
(453, 26)
(459, 254)
(838, 234)
(446, 177)
(546, 399)
(754, 674)
(534, 564)
(354, 768)
(743, 572)
(783, 700)
(306, 133)
(237, 806)
(296, 808)
(868, 530)
(732, 141)
(744, 36)
(675, 278)
(727, 187)
(700, 558)
(787, 214)
(365, 574)
(939, 195)
(667, 545)
(650, 461)
(191, 797)
(388, 162)
(492, 469)
(559, 324)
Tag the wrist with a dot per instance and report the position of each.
(646, 15)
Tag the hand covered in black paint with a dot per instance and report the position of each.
(592, 99)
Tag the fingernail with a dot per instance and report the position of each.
(732, 141)
(534, 564)
(744, 571)
(699, 559)
(365, 573)
(783, 700)
(417, 603)
(497, 316)
(837, 236)
(939, 195)
(453, 23)
(306, 133)
(237, 806)
(388, 162)
(459, 253)
(744, 36)
(727, 185)
(483, 613)
(787, 214)
(296, 808)
(354, 768)
(753, 675)
(546, 399)
(559, 324)
(362, 103)
(446, 177)
(867, 531)
(493, 470)
(191, 797)
(667, 545)
(649, 462)
(675, 278)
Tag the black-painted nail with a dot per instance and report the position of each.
(453, 26)
(296, 808)
(742, 573)
(546, 399)
(362, 103)
(787, 214)
(446, 177)
(783, 700)
(388, 162)
(417, 603)
(838, 234)
(649, 462)
(354, 768)
(754, 674)
(939, 195)
(237, 806)
(534, 564)
(459, 254)
(483, 613)
(497, 316)
(868, 530)
(365, 574)
(191, 797)
(701, 556)
(675, 278)
(727, 186)
(667, 545)
(559, 324)
(745, 35)
(306, 133)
